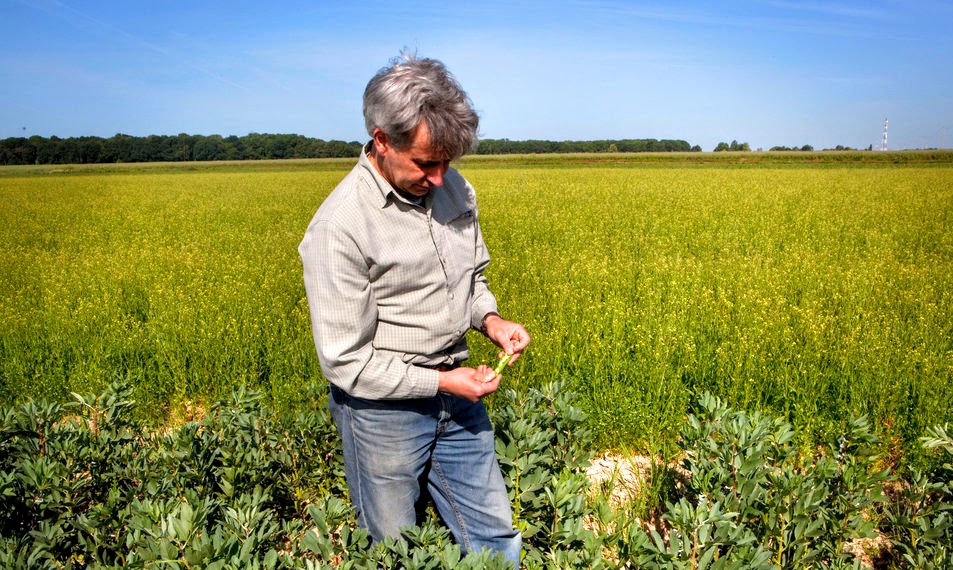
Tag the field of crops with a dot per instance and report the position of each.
(813, 291)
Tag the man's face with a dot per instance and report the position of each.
(415, 169)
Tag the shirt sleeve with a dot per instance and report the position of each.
(344, 320)
(483, 300)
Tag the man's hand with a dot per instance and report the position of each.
(469, 383)
(511, 337)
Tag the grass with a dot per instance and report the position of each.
(813, 286)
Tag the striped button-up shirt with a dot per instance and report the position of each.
(393, 287)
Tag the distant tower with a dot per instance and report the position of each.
(883, 141)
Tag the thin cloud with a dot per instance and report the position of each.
(833, 9)
(89, 24)
(846, 23)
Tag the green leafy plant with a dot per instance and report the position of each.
(84, 485)
(543, 446)
(920, 518)
(752, 501)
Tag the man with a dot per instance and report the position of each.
(393, 269)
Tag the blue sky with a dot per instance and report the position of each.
(764, 72)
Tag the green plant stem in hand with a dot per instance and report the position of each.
(502, 364)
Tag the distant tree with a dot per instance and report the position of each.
(234, 148)
(70, 151)
(17, 151)
(209, 148)
(339, 149)
(90, 150)
(44, 154)
(806, 148)
(182, 147)
(120, 148)
(734, 146)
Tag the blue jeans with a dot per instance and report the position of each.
(393, 448)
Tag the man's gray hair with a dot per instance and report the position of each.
(412, 90)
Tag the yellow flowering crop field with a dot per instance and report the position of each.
(816, 292)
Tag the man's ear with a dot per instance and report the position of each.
(381, 141)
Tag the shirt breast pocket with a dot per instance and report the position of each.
(460, 244)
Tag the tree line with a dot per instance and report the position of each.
(506, 146)
(745, 147)
(167, 148)
(257, 146)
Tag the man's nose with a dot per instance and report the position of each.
(435, 174)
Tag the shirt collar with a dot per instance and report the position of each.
(373, 176)
(383, 186)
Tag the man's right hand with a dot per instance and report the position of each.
(469, 383)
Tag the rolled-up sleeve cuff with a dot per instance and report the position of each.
(424, 382)
(480, 311)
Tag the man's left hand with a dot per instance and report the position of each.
(511, 337)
